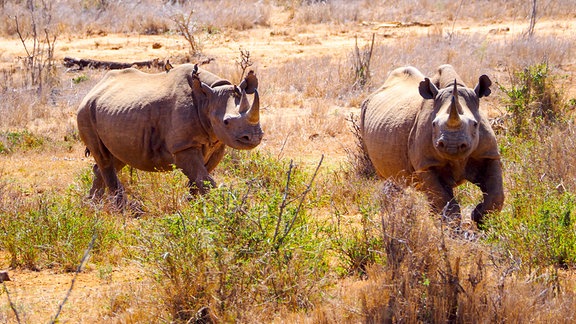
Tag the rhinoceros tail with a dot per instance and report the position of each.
(87, 152)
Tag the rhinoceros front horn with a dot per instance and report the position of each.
(454, 120)
(253, 115)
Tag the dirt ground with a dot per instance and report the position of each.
(40, 293)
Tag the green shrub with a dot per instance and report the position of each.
(252, 242)
(49, 231)
(23, 140)
(536, 226)
(533, 100)
(79, 79)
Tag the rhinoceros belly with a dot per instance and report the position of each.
(143, 149)
(136, 138)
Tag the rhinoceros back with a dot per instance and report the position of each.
(388, 116)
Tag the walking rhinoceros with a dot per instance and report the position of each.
(184, 118)
(432, 132)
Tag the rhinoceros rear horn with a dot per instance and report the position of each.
(244, 104)
(482, 89)
(250, 83)
(253, 114)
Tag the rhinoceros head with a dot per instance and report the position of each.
(232, 119)
(455, 125)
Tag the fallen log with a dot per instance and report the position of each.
(71, 62)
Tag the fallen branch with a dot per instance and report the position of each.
(70, 62)
(80, 64)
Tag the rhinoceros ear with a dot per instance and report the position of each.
(198, 88)
(427, 89)
(250, 83)
(483, 87)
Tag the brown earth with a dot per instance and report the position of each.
(40, 293)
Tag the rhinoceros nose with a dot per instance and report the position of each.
(454, 147)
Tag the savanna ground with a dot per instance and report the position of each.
(276, 241)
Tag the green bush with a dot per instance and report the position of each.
(253, 242)
(533, 100)
(50, 231)
(536, 226)
(23, 140)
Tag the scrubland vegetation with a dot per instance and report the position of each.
(292, 237)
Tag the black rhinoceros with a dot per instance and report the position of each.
(432, 132)
(184, 118)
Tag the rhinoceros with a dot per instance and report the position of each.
(431, 132)
(182, 118)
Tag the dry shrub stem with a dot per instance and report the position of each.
(530, 32)
(285, 202)
(362, 64)
(358, 156)
(40, 58)
(188, 28)
(245, 62)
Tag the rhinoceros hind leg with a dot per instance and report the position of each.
(107, 177)
(98, 186)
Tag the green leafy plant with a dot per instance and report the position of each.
(533, 100)
(252, 242)
(14, 140)
(48, 231)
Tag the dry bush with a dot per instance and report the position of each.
(358, 156)
(50, 112)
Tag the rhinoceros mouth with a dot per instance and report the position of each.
(453, 151)
(248, 141)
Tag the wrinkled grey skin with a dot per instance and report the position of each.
(432, 132)
(153, 122)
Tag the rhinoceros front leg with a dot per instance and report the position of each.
(191, 162)
(215, 158)
(489, 179)
(440, 194)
